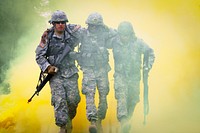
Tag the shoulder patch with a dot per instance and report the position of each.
(44, 38)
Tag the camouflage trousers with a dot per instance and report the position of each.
(93, 80)
(127, 93)
(65, 98)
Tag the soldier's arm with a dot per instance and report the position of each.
(41, 53)
(111, 38)
(149, 52)
(76, 32)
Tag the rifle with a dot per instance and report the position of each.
(145, 83)
(44, 79)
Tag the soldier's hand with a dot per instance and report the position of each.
(52, 69)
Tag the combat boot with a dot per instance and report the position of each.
(93, 127)
(99, 126)
(125, 126)
(62, 129)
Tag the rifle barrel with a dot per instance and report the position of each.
(145, 96)
(39, 88)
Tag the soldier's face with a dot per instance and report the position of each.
(60, 26)
(125, 38)
(93, 28)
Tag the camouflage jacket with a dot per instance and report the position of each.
(93, 49)
(128, 57)
(51, 48)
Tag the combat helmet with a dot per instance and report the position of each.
(125, 28)
(95, 19)
(58, 16)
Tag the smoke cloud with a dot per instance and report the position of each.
(170, 27)
(15, 23)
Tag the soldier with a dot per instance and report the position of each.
(127, 52)
(93, 60)
(64, 83)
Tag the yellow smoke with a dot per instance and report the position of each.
(170, 27)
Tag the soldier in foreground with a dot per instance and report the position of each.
(128, 51)
(64, 83)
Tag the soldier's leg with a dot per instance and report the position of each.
(102, 109)
(133, 97)
(121, 96)
(59, 102)
(121, 92)
(73, 98)
(122, 113)
(91, 112)
(103, 89)
(125, 125)
(88, 89)
(90, 105)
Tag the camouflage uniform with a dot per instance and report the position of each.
(64, 84)
(93, 59)
(128, 62)
(95, 67)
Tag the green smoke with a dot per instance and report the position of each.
(17, 17)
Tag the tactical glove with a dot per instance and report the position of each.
(52, 69)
